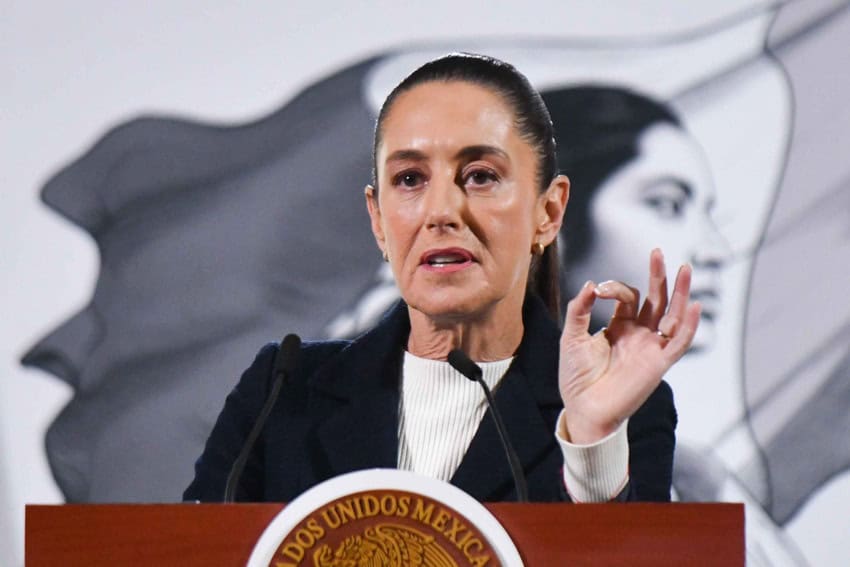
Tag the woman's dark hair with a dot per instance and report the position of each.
(531, 120)
(597, 129)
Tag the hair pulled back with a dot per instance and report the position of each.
(531, 120)
(598, 129)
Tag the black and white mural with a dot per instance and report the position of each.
(173, 239)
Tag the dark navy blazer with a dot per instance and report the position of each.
(339, 413)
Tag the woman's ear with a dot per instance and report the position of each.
(552, 206)
(371, 195)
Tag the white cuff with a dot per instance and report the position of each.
(597, 472)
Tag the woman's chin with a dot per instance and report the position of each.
(449, 305)
(446, 310)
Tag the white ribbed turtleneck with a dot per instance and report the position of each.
(440, 411)
(439, 414)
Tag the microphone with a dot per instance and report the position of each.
(284, 364)
(462, 363)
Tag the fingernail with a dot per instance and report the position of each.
(604, 287)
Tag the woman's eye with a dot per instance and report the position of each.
(667, 200)
(665, 206)
(408, 179)
(480, 177)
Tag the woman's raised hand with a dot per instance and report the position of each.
(604, 378)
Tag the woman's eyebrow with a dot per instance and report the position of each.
(673, 180)
(479, 151)
(466, 153)
(406, 155)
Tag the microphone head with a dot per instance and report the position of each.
(289, 348)
(463, 364)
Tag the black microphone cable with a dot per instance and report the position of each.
(284, 364)
(463, 364)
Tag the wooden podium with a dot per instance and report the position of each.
(224, 534)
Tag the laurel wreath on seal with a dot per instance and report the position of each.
(385, 545)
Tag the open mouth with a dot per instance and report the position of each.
(446, 258)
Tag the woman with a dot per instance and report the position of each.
(639, 180)
(466, 207)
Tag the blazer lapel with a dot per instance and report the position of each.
(359, 392)
(484, 471)
(362, 384)
(362, 433)
(528, 400)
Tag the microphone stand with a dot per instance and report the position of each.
(463, 364)
(284, 364)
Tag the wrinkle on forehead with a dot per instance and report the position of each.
(431, 113)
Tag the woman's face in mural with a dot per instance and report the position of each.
(662, 198)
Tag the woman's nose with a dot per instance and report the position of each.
(64, 352)
(712, 250)
(444, 204)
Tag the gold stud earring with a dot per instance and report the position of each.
(537, 248)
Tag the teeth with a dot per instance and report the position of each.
(445, 260)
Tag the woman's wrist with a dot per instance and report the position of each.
(579, 431)
(597, 472)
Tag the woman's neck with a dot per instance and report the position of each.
(491, 337)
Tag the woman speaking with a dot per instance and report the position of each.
(466, 205)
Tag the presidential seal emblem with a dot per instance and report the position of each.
(384, 518)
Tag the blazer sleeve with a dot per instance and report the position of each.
(652, 440)
(232, 427)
